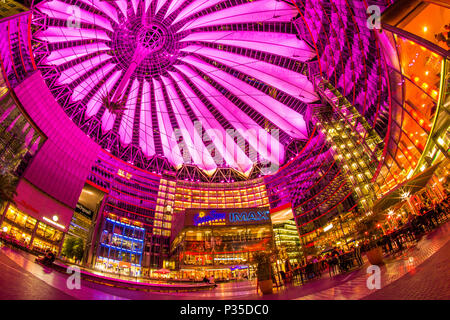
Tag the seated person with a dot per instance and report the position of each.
(48, 258)
(51, 257)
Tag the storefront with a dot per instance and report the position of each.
(221, 242)
(36, 221)
(120, 247)
(29, 232)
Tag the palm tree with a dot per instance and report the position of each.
(7, 189)
(114, 107)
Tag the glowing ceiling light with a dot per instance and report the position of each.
(405, 195)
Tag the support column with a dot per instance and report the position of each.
(97, 226)
(33, 234)
(61, 244)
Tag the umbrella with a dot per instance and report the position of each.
(163, 271)
(327, 250)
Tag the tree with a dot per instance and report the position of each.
(365, 227)
(78, 249)
(73, 248)
(263, 265)
(67, 249)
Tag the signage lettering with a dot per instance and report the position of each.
(209, 218)
(230, 217)
(249, 216)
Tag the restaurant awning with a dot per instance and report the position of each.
(409, 187)
(162, 271)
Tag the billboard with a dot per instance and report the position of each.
(227, 217)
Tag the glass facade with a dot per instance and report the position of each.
(30, 232)
(206, 249)
(219, 195)
(347, 114)
(121, 247)
(287, 241)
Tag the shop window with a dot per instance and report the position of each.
(48, 233)
(429, 21)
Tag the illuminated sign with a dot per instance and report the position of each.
(209, 218)
(256, 215)
(54, 223)
(84, 211)
(222, 217)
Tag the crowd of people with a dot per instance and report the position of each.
(337, 260)
(431, 216)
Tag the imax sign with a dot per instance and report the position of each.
(251, 216)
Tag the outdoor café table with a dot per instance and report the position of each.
(346, 260)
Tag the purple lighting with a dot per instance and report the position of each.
(146, 132)
(290, 81)
(257, 11)
(126, 126)
(282, 44)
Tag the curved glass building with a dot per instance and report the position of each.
(176, 139)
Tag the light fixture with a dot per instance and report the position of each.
(5, 229)
(54, 223)
(405, 195)
(55, 218)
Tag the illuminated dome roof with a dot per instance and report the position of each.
(186, 80)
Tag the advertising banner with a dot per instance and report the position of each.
(227, 217)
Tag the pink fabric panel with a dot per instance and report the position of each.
(34, 202)
(62, 165)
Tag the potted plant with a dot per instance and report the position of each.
(263, 272)
(374, 251)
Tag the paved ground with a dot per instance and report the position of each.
(428, 281)
(17, 283)
(420, 272)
